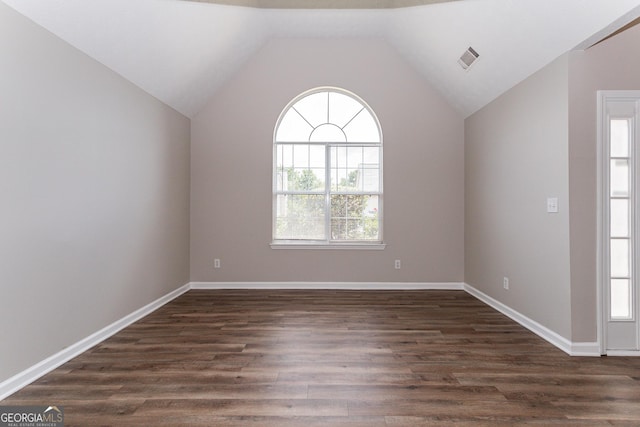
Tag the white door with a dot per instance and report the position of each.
(619, 229)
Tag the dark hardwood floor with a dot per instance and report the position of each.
(344, 358)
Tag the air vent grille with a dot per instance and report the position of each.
(468, 57)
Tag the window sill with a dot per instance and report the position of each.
(328, 246)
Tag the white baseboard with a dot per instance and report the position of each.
(590, 349)
(627, 353)
(31, 374)
(569, 347)
(378, 286)
(26, 377)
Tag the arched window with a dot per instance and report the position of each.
(327, 173)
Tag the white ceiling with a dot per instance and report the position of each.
(324, 4)
(182, 52)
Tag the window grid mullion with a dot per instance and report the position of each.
(327, 190)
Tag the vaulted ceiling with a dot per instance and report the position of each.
(182, 51)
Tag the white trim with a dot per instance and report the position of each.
(398, 286)
(601, 223)
(572, 349)
(634, 353)
(590, 349)
(26, 377)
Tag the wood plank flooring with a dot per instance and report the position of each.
(335, 358)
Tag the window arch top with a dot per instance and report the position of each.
(328, 115)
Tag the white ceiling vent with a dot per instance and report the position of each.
(468, 57)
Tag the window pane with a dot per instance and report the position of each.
(284, 156)
(619, 218)
(345, 177)
(619, 138)
(339, 170)
(300, 217)
(370, 177)
(619, 258)
(371, 169)
(351, 170)
(354, 217)
(372, 155)
(300, 156)
(354, 157)
(342, 108)
(328, 133)
(314, 108)
(338, 157)
(300, 167)
(362, 128)
(619, 178)
(620, 299)
(311, 180)
(293, 128)
(317, 156)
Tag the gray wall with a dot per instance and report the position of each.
(232, 141)
(94, 187)
(537, 140)
(611, 65)
(516, 155)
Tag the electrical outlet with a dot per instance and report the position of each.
(216, 263)
(397, 264)
(505, 283)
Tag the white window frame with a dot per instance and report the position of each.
(328, 243)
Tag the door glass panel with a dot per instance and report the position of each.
(619, 258)
(620, 299)
(619, 218)
(620, 138)
(620, 178)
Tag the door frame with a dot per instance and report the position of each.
(602, 220)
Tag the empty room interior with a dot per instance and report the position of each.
(320, 212)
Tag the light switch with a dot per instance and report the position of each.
(552, 205)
